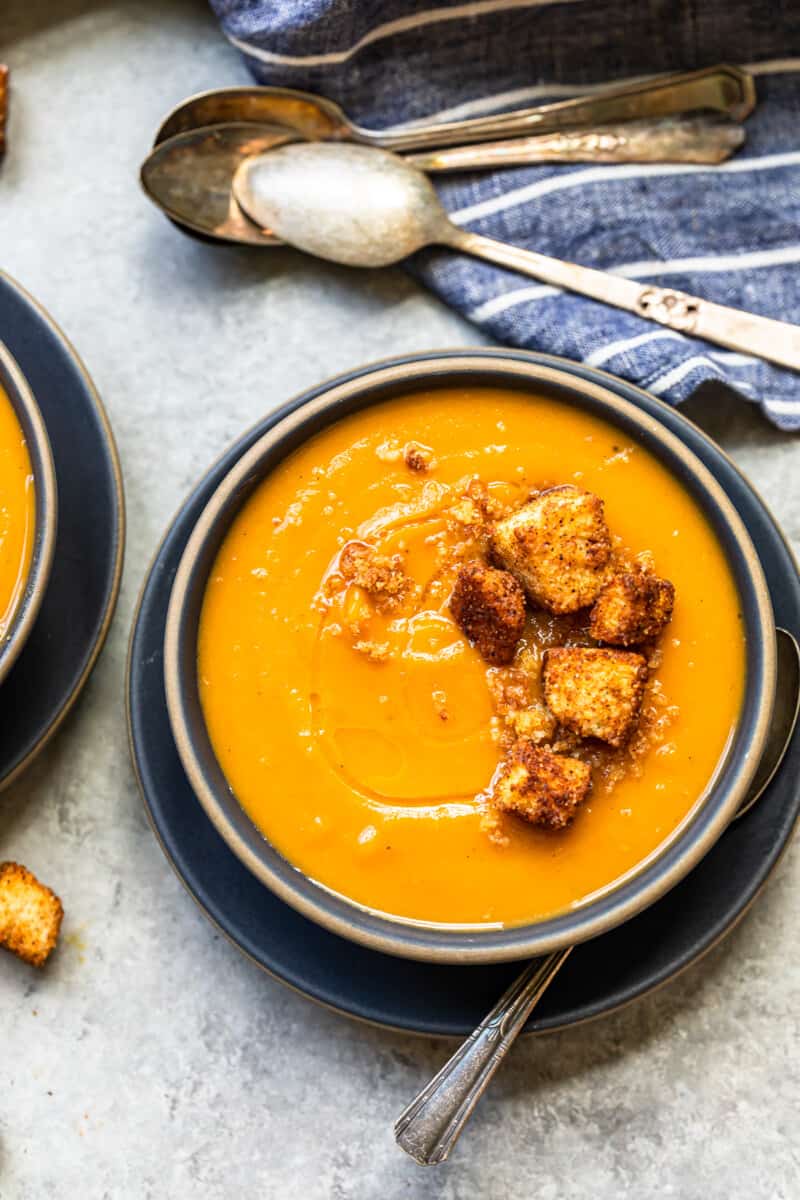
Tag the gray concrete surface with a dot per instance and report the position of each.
(150, 1059)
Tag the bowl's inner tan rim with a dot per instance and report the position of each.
(116, 553)
(418, 375)
(31, 421)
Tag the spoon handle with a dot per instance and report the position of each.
(701, 139)
(432, 1123)
(721, 89)
(775, 341)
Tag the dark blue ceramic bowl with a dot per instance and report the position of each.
(14, 384)
(439, 942)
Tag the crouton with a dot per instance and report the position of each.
(595, 693)
(418, 457)
(632, 607)
(376, 652)
(541, 787)
(477, 510)
(30, 915)
(536, 723)
(510, 689)
(558, 547)
(380, 576)
(489, 607)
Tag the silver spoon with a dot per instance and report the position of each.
(190, 175)
(723, 89)
(434, 1120)
(189, 178)
(368, 208)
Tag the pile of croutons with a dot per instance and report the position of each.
(555, 553)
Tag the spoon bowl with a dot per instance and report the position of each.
(345, 203)
(189, 176)
(784, 718)
(301, 113)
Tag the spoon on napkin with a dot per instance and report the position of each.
(369, 208)
(718, 89)
(189, 176)
(434, 1120)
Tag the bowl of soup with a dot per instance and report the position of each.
(28, 510)
(468, 659)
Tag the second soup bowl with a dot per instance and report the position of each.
(33, 576)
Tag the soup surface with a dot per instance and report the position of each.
(17, 513)
(362, 739)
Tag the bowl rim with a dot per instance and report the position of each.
(449, 943)
(31, 421)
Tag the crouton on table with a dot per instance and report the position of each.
(541, 787)
(558, 547)
(489, 607)
(595, 693)
(30, 915)
(632, 607)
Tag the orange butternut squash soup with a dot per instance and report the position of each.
(17, 513)
(469, 656)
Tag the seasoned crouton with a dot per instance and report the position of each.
(377, 652)
(558, 547)
(380, 576)
(30, 915)
(510, 689)
(489, 607)
(595, 693)
(541, 787)
(633, 607)
(477, 510)
(536, 723)
(418, 457)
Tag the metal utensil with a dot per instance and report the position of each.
(723, 89)
(701, 138)
(190, 175)
(368, 208)
(784, 718)
(434, 1120)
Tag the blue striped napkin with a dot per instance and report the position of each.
(729, 233)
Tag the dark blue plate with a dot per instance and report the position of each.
(424, 998)
(76, 612)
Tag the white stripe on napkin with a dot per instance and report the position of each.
(787, 406)
(750, 259)
(610, 350)
(498, 304)
(555, 183)
(670, 378)
(774, 66)
(433, 16)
